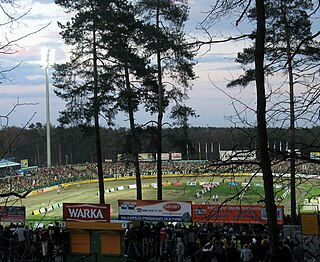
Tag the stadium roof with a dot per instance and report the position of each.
(7, 163)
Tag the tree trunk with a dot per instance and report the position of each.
(292, 120)
(292, 149)
(96, 119)
(160, 113)
(133, 137)
(262, 132)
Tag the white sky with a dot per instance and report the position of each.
(27, 82)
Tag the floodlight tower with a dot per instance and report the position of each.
(47, 60)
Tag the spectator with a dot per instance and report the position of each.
(180, 250)
(56, 238)
(162, 238)
(168, 247)
(20, 237)
(246, 254)
(285, 253)
(145, 239)
(44, 238)
(132, 237)
(232, 253)
(255, 248)
(206, 251)
(191, 242)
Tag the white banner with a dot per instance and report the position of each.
(155, 210)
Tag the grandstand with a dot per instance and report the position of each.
(7, 168)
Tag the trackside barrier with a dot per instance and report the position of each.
(43, 210)
(35, 212)
(120, 187)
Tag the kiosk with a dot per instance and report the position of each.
(91, 234)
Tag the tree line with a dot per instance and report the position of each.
(75, 145)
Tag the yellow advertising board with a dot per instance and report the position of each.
(309, 224)
(315, 155)
(24, 163)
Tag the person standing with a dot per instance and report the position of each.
(132, 237)
(162, 238)
(246, 254)
(191, 242)
(56, 237)
(21, 238)
(44, 238)
(180, 250)
(168, 248)
(145, 239)
(285, 252)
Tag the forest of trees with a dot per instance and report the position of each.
(75, 145)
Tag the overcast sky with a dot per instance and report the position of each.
(26, 83)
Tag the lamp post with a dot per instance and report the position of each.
(47, 60)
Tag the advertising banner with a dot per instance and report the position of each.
(12, 213)
(310, 224)
(176, 156)
(79, 212)
(155, 210)
(233, 214)
(146, 157)
(164, 156)
(315, 155)
(24, 163)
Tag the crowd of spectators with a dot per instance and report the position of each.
(41, 178)
(172, 242)
(302, 167)
(178, 242)
(5, 171)
(19, 242)
(120, 169)
(44, 177)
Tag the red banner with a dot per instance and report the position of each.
(233, 214)
(86, 212)
(12, 213)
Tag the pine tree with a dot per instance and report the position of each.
(172, 62)
(289, 41)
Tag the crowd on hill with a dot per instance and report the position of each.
(44, 177)
(19, 242)
(228, 243)
(5, 171)
(172, 242)
(121, 169)
(40, 178)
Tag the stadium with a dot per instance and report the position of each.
(47, 190)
